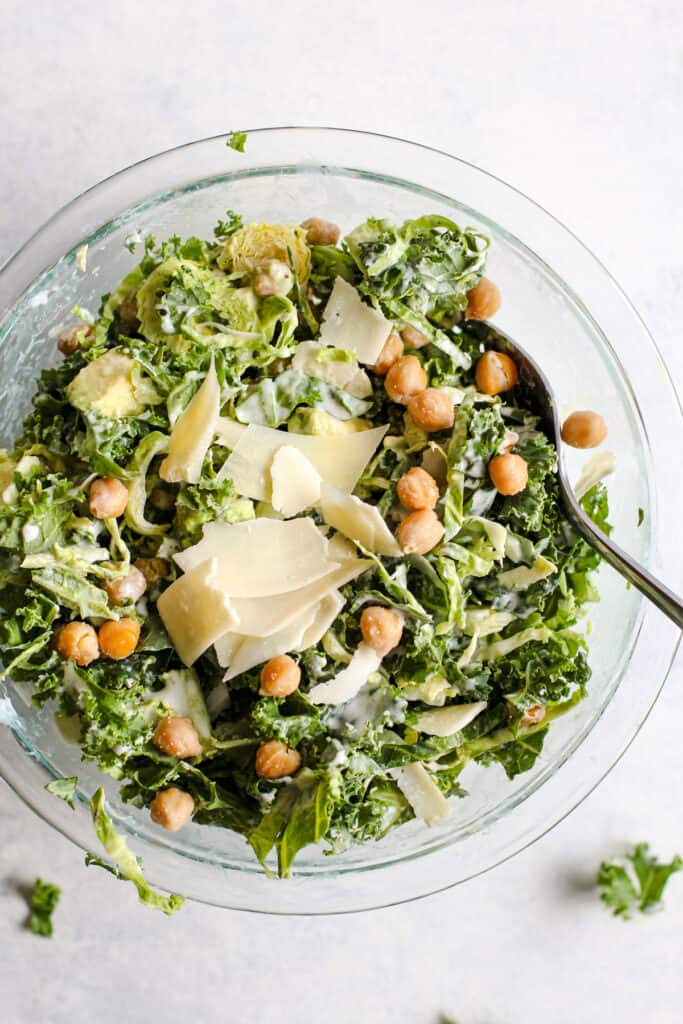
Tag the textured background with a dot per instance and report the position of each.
(579, 107)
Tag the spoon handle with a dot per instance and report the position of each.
(644, 581)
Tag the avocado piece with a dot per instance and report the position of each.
(315, 421)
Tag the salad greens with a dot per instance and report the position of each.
(636, 883)
(44, 899)
(489, 614)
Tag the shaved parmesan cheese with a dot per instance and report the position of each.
(446, 721)
(596, 469)
(81, 260)
(228, 432)
(226, 648)
(295, 481)
(261, 618)
(261, 557)
(523, 576)
(193, 433)
(421, 792)
(326, 612)
(256, 650)
(349, 323)
(339, 458)
(340, 547)
(196, 611)
(350, 680)
(358, 521)
(313, 359)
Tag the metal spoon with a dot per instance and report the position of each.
(534, 378)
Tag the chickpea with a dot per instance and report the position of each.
(130, 587)
(420, 532)
(153, 569)
(162, 499)
(177, 737)
(509, 473)
(320, 232)
(533, 715)
(263, 285)
(405, 378)
(274, 760)
(392, 350)
(417, 489)
(69, 341)
(432, 409)
(414, 338)
(77, 641)
(171, 808)
(382, 628)
(119, 639)
(584, 429)
(108, 498)
(495, 372)
(483, 301)
(280, 676)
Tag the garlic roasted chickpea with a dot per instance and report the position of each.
(392, 350)
(177, 737)
(405, 378)
(128, 310)
(77, 641)
(419, 532)
(126, 588)
(171, 808)
(382, 628)
(263, 285)
(70, 339)
(321, 232)
(108, 498)
(275, 760)
(483, 301)
(432, 410)
(153, 569)
(414, 338)
(417, 489)
(495, 372)
(509, 473)
(584, 429)
(280, 676)
(119, 638)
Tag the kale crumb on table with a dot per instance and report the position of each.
(284, 540)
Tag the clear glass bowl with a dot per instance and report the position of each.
(559, 302)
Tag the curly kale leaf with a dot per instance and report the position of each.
(635, 884)
(44, 899)
(206, 502)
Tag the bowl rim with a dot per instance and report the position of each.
(67, 207)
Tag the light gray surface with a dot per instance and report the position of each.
(580, 109)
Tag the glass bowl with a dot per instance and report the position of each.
(559, 302)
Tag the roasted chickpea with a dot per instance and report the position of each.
(274, 760)
(77, 641)
(321, 232)
(417, 489)
(171, 808)
(153, 569)
(119, 638)
(432, 409)
(405, 378)
(177, 737)
(130, 587)
(483, 301)
(263, 285)
(280, 676)
(382, 628)
(414, 338)
(128, 311)
(162, 499)
(392, 350)
(509, 473)
(420, 532)
(495, 372)
(108, 498)
(584, 429)
(69, 341)
(533, 715)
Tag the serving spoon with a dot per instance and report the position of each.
(533, 377)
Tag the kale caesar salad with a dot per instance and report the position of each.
(281, 541)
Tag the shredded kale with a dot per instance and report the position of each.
(635, 883)
(44, 900)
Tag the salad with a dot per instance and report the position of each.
(281, 539)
